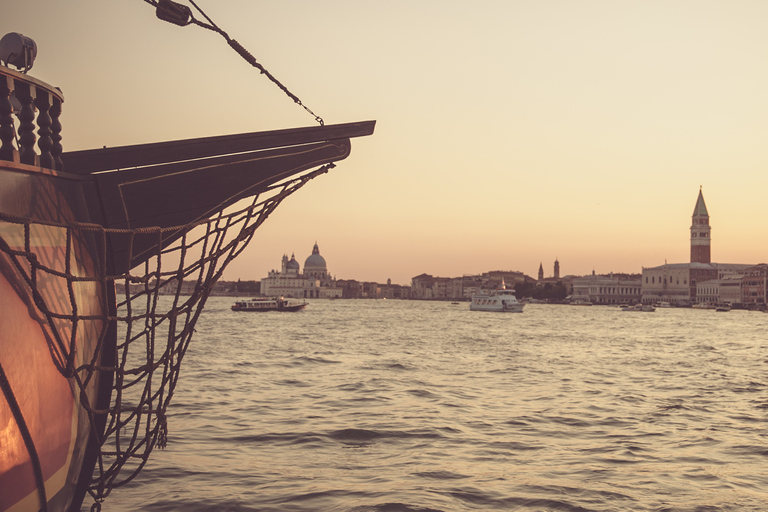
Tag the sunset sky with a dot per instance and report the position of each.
(509, 133)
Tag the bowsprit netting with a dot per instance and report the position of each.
(152, 318)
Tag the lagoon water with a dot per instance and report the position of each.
(410, 406)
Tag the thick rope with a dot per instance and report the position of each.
(181, 15)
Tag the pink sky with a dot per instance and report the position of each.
(509, 133)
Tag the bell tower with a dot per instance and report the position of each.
(700, 232)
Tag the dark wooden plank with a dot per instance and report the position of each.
(123, 157)
(180, 193)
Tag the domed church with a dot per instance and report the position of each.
(315, 282)
(314, 266)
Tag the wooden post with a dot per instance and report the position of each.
(57, 148)
(44, 143)
(7, 149)
(26, 95)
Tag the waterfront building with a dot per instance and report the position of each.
(471, 285)
(754, 285)
(422, 287)
(315, 282)
(610, 289)
(350, 288)
(428, 287)
(678, 283)
(683, 284)
(672, 282)
(724, 290)
(394, 291)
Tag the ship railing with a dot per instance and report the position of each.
(37, 108)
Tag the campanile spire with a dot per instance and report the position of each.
(700, 232)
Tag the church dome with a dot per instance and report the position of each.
(293, 264)
(315, 261)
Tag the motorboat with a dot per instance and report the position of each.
(643, 308)
(500, 300)
(265, 304)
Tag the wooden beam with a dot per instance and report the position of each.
(124, 157)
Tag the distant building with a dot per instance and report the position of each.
(423, 287)
(700, 232)
(610, 289)
(394, 291)
(554, 279)
(715, 291)
(689, 283)
(350, 289)
(428, 287)
(315, 282)
(754, 285)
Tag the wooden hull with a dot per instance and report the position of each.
(47, 431)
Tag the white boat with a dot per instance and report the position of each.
(265, 304)
(703, 305)
(664, 305)
(500, 300)
(645, 308)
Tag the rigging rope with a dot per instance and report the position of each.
(181, 15)
(139, 343)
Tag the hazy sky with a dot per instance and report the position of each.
(509, 133)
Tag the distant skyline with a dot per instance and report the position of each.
(509, 133)
(547, 266)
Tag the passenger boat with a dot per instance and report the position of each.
(500, 300)
(703, 305)
(642, 308)
(79, 416)
(264, 304)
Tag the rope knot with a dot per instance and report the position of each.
(162, 430)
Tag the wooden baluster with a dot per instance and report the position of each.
(44, 142)
(57, 148)
(26, 95)
(7, 149)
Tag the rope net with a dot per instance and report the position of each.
(152, 319)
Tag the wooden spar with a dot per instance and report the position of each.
(170, 184)
(123, 157)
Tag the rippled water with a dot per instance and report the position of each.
(388, 406)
